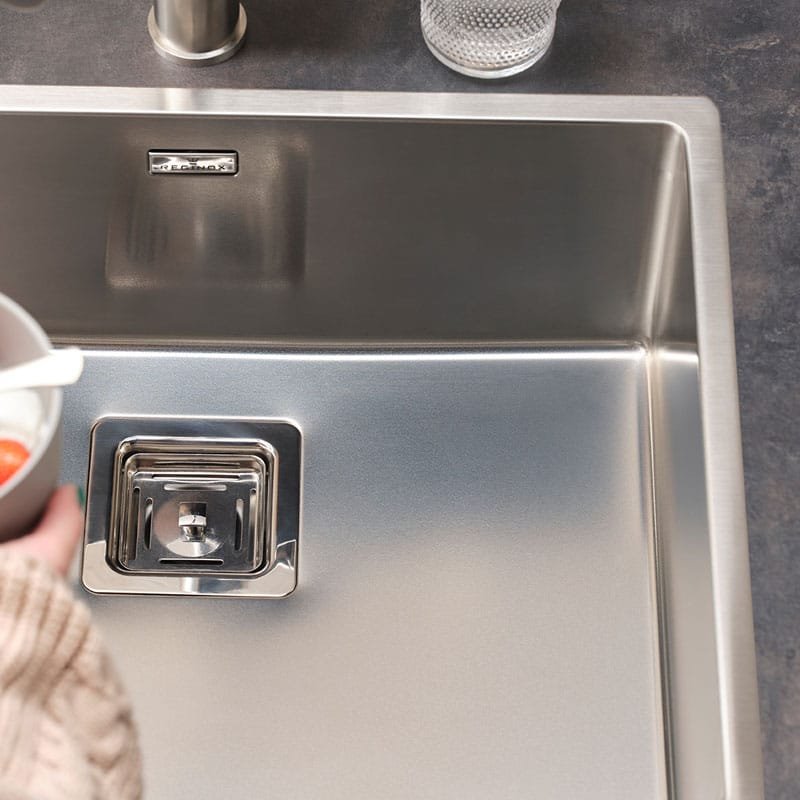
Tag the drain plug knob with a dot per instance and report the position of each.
(192, 521)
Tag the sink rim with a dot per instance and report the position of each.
(697, 122)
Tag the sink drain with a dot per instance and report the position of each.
(192, 506)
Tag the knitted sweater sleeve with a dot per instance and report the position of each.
(66, 729)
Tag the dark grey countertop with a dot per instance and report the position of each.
(744, 55)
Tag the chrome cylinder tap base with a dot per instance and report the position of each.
(197, 33)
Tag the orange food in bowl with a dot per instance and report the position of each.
(13, 455)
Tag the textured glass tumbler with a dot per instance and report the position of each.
(488, 38)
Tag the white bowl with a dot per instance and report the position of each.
(25, 494)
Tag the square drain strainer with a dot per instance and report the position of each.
(192, 506)
(182, 505)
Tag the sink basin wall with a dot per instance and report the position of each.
(347, 231)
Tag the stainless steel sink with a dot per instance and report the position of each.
(502, 325)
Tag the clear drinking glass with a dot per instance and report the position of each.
(488, 38)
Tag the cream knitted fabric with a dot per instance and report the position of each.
(66, 731)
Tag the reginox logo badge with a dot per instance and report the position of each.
(187, 162)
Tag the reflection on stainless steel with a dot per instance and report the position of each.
(200, 234)
(197, 32)
(507, 340)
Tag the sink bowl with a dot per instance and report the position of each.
(503, 326)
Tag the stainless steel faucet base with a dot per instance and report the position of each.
(169, 49)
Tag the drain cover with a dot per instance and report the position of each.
(185, 505)
(192, 506)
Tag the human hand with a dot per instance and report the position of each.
(54, 539)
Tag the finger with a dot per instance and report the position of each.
(62, 526)
(62, 508)
(55, 537)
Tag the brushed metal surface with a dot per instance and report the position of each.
(503, 325)
(337, 232)
(475, 611)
